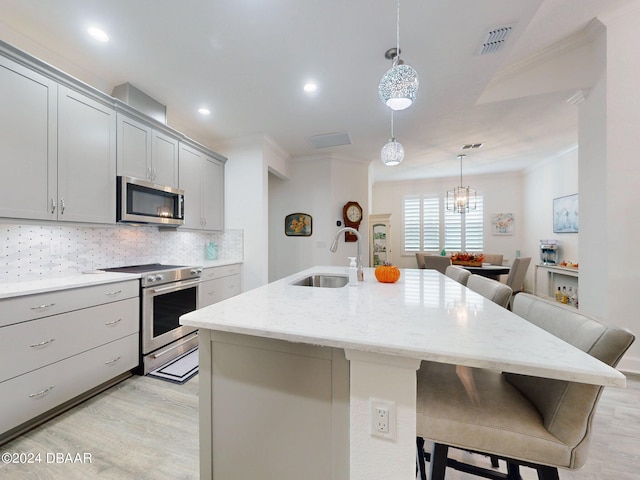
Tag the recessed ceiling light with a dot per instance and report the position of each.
(98, 34)
(310, 87)
(204, 111)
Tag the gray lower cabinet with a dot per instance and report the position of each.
(55, 347)
(219, 283)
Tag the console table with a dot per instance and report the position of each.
(552, 271)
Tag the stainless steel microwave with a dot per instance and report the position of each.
(147, 203)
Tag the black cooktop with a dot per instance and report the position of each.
(150, 267)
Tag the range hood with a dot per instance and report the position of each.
(140, 101)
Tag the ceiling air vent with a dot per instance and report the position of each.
(495, 39)
(330, 140)
(470, 146)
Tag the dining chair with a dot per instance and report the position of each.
(420, 259)
(457, 273)
(437, 262)
(494, 290)
(517, 274)
(493, 258)
(541, 423)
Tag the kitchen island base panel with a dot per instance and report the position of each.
(392, 379)
(277, 409)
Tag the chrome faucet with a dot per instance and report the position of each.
(334, 247)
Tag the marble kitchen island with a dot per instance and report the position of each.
(287, 371)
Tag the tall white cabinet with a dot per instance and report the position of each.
(202, 179)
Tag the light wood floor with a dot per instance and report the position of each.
(145, 428)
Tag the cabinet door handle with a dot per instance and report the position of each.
(153, 173)
(53, 205)
(62, 205)
(41, 392)
(116, 292)
(42, 307)
(34, 345)
(111, 362)
(149, 173)
(113, 322)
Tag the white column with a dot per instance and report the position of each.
(392, 379)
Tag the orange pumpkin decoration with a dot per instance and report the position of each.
(387, 273)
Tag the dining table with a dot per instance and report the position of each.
(293, 375)
(491, 271)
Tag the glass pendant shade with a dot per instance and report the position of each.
(392, 153)
(398, 87)
(461, 199)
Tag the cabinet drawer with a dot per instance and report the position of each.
(219, 272)
(30, 345)
(27, 396)
(219, 289)
(28, 307)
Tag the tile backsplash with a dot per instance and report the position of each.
(38, 250)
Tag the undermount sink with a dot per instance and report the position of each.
(325, 281)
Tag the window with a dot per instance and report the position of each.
(428, 226)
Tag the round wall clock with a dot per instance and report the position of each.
(352, 216)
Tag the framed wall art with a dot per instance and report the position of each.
(565, 214)
(298, 225)
(502, 224)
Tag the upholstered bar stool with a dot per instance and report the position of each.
(459, 274)
(492, 289)
(537, 422)
(437, 262)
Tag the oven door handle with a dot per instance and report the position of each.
(176, 287)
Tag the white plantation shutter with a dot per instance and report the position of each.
(428, 226)
(411, 216)
(473, 228)
(452, 231)
(430, 223)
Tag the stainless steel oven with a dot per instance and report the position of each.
(166, 293)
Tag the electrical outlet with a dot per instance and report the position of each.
(382, 418)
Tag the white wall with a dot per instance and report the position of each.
(610, 175)
(553, 178)
(247, 199)
(319, 186)
(502, 194)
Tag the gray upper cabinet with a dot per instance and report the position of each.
(86, 159)
(62, 144)
(57, 148)
(202, 179)
(146, 153)
(28, 184)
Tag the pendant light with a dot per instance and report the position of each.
(461, 199)
(393, 152)
(398, 87)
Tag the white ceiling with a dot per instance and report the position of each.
(247, 60)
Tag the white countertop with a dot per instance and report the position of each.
(43, 285)
(31, 286)
(424, 315)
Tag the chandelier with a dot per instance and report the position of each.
(393, 152)
(461, 199)
(398, 86)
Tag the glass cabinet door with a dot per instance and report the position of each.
(380, 247)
